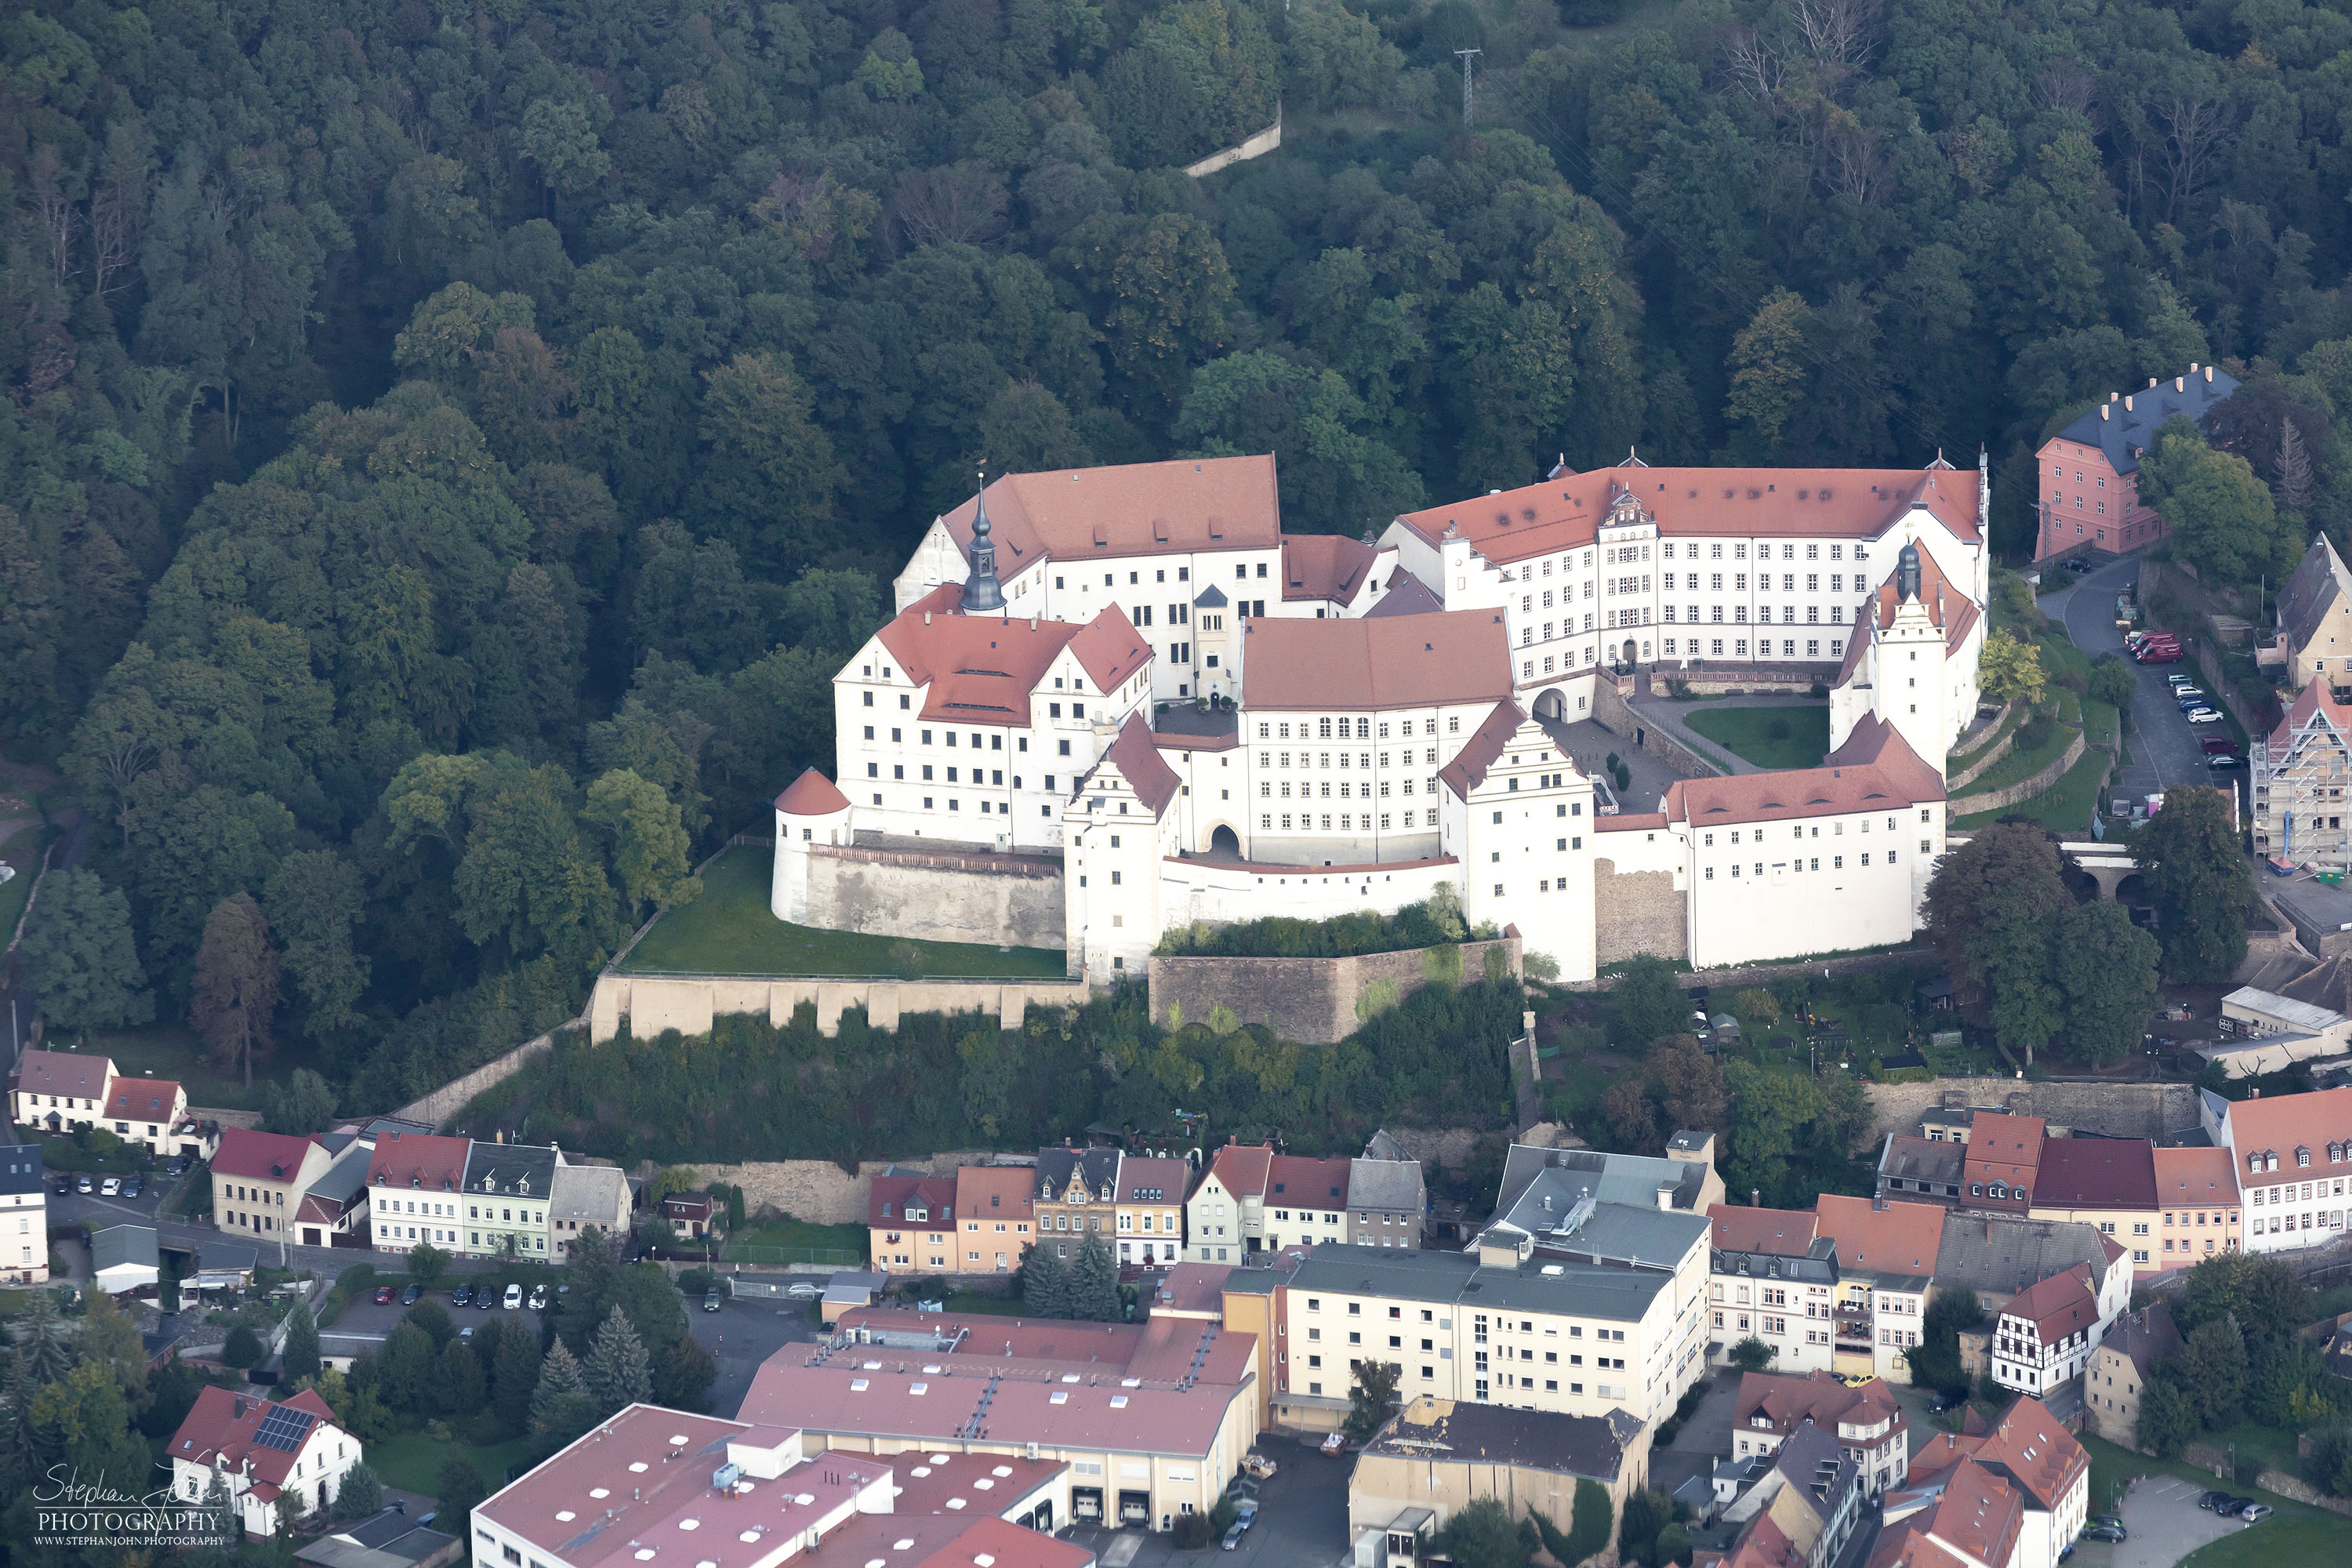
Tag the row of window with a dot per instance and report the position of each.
(1323, 759)
(2287, 1195)
(1630, 555)
(1281, 731)
(1265, 789)
(1347, 821)
(1837, 863)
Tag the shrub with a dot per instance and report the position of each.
(2035, 732)
(1777, 729)
(1191, 1533)
(1817, 691)
(242, 1349)
(1624, 776)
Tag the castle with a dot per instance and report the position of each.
(1129, 680)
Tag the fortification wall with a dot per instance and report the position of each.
(1637, 912)
(2118, 1110)
(688, 1003)
(450, 1098)
(1310, 1000)
(941, 897)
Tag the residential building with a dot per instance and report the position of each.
(1770, 1278)
(415, 1191)
(2299, 776)
(2044, 1335)
(2264, 1032)
(1922, 1170)
(389, 1540)
(2089, 492)
(2315, 622)
(1150, 1198)
(1225, 1216)
(59, 1092)
(1886, 1255)
(1684, 1179)
(258, 1452)
(2291, 1154)
(258, 1180)
(1388, 1198)
(1997, 1257)
(789, 1500)
(1306, 1202)
(2198, 1189)
(910, 1223)
(24, 1217)
(2107, 1183)
(2120, 1368)
(149, 1110)
(333, 1210)
(997, 1213)
(1806, 1505)
(584, 1196)
(1073, 1191)
(1600, 1308)
(2031, 1451)
(507, 1191)
(2004, 1151)
(1152, 1418)
(1868, 1421)
(1442, 1454)
(693, 1216)
(1968, 1518)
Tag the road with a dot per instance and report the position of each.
(2166, 1525)
(2164, 746)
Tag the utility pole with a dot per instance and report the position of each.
(1467, 55)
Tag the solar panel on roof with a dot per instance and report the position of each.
(284, 1429)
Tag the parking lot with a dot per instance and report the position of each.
(2166, 1524)
(364, 1319)
(740, 1335)
(2164, 746)
(1302, 1519)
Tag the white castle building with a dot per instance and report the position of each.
(1131, 669)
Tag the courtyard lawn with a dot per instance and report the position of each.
(975, 1303)
(412, 1461)
(729, 930)
(798, 1241)
(1779, 736)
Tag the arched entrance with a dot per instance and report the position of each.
(1225, 841)
(1551, 705)
(1628, 656)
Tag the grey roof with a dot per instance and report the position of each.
(1690, 1142)
(123, 1244)
(20, 1168)
(1407, 595)
(1393, 1186)
(1818, 1468)
(2001, 1255)
(1818, 1266)
(226, 1258)
(1211, 598)
(1937, 1160)
(390, 1540)
(589, 1192)
(1382, 1145)
(1100, 1168)
(2146, 1336)
(1564, 1287)
(1440, 1431)
(1613, 1178)
(511, 1170)
(346, 1177)
(2319, 581)
(2126, 432)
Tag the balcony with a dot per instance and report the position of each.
(1852, 1325)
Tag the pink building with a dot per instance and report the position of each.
(2087, 490)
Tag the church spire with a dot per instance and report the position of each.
(1907, 574)
(982, 592)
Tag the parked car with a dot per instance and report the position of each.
(65, 1185)
(2255, 1510)
(1245, 1512)
(711, 1300)
(2204, 716)
(803, 1291)
(539, 1298)
(486, 1298)
(2223, 760)
(2212, 1502)
(2109, 1532)
(414, 1294)
(1946, 1400)
(110, 1187)
(2114, 1519)
(462, 1296)
(383, 1295)
(2219, 743)
(514, 1298)
(177, 1165)
(82, 1184)
(467, 1332)
(134, 1186)
(1233, 1537)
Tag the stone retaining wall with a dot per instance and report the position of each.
(453, 1097)
(1310, 1000)
(937, 896)
(1256, 146)
(1612, 713)
(687, 1002)
(1999, 749)
(2025, 789)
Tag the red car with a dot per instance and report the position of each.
(2214, 745)
(383, 1295)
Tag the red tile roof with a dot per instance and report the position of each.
(1565, 513)
(1627, 822)
(2065, 1304)
(994, 1193)
(425, 1161)
(1109, 649)
(1132, 508)
(1402, 661)
(226, 1423)
(2006, 1149)
(1900, 1239)
(2316, 698)
(1780, 1233)
(1325, 566)
(2280, 1124)
(263, 1156)
(1875, 770)
(1787, 1401)
(1980, 1514)
(1297, 1180)
(909, 1540)
(2039, 1453)
(980, 669)
(1241, 1168)
(145, 1099)
(1468, 769)
(811, 794)
(2194, 1176)
(2094, 1174)
(1140, 763)
(886, 1201)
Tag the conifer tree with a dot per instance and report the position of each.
(617, 1373)
(1094, 1281)
(1045, 1282)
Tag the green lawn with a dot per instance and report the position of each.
(2065, 806)
(172, 1051)
(2296, 1534)
(728, 930)
(1775, 737)
(2022, 763)
(797, 1241)
(975, 1303)
(412, 1461)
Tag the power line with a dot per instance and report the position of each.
(1466, 57)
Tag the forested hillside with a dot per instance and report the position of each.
(448, 447)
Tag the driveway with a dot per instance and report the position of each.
(1589, 745)
(364, 1319)
(1705, 1440)
(1302, 1519)
(2164, 746)
(739, 1336)
(2166, 1524)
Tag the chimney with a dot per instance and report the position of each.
(1878, 1204)
(2253, 1094)
(1755, 1197)
(2127, 408)
(2103, 412)
(2151, 384)
(2209, 374)
(2192, 367)
(2179, 383)
(1665, 1195)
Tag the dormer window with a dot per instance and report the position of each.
(2302, 1155)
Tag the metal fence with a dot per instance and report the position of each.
(821, 1256)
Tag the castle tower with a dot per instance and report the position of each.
(1909, 652)
(812, 811)
(982, 592)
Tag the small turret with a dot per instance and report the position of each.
(1907, 574)
(982, 592)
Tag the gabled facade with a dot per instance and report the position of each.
(1868, 1422)
(2089, 484)
(57, 1091)
(1074, 1192)
(1911, 659)
(259, 1180)
(2301, 771)
(508, 1186)
(257, 1451)
(1225, 1218)
(910, 1224)
(152, 1111)
(1151, 1208)
(1771, 1278)
(1886, 1264)
(2198, 1191)
(415, 1188)
(2315, 622)
(2293, 1158)
(2044, 1336)
(997, 1216)
(2120, 1368)
(585, 1197)
(24, 1217)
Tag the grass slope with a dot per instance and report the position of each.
(2065, 807)
(729, 930)
(1803, 733)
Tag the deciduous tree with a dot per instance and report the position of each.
(2194, 873)
(79, 958)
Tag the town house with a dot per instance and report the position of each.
(415, 1187)
(259, 1178)
(2089, 488)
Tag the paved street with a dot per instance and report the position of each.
(2164, 746)
(2166, 1524)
